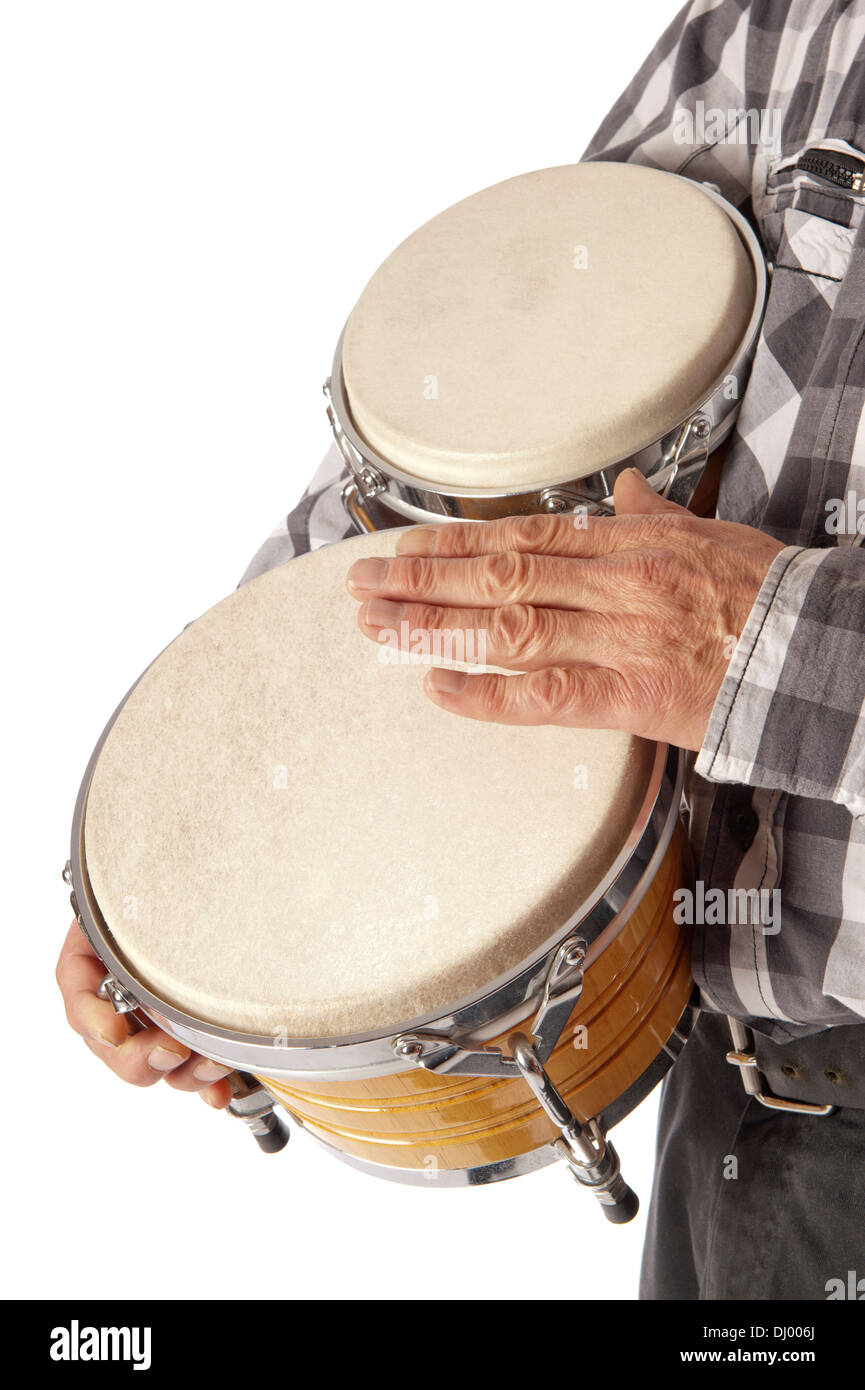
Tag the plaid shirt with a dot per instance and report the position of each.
(733, 94)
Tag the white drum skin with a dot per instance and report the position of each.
(284, 835)
(547, 326)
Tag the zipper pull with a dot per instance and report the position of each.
(835, 167)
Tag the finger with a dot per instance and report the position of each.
(633, 495)
(142, 1058)
(79, 974)
(574, 534)
(518, 635)
(544, 535)
(147, 1057)
(488, 581)
(217, 1096)
(197, 1074)
(587, 697)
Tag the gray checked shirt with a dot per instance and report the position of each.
(735, 94)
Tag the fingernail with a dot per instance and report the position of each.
(420, 540)
(160, 1059)
(210, 1071)
(100, 1038)
(367, 574)
(445, 682)
(382, 612)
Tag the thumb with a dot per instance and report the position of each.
(633, 496)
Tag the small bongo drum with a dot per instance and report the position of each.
(524, 346)
(447, 948)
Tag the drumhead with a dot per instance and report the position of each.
(284, 836)
(547, 326)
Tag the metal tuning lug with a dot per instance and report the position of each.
(112, 990)
(122, 1002)
(73, 900)
(563, 986)
(561, 501)
(252, 1104)
(448, 1054)
(685, 461)
(443, 1053)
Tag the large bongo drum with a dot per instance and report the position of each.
(520, 349)
(447, 948)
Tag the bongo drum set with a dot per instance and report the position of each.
(446, 948)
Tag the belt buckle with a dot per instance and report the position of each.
(753, 1080)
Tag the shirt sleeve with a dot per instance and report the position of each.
(683, 110)
(318, 519)
(790, 713)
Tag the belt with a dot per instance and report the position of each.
(810, 1076)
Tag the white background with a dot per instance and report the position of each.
(195, 195)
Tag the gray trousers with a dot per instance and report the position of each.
(750, 1203)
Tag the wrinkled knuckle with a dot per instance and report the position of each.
(516, 628)
(417, 576)
(450, 540)
(527, 532)
(553, 691)
(505, 574)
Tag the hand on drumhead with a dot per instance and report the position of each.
(141, 1058)
(626, 622)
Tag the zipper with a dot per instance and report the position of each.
(835, 167)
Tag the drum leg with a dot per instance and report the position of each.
(590, 1157)
(252, 1104)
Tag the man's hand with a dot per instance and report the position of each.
(625, 622)
(140, 1058)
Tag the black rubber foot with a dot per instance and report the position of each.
(276, 1138)
(624, 1210)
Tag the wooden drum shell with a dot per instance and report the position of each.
(633, 996)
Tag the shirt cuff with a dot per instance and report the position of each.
(789, 713)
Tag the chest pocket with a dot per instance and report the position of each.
(811, 210)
